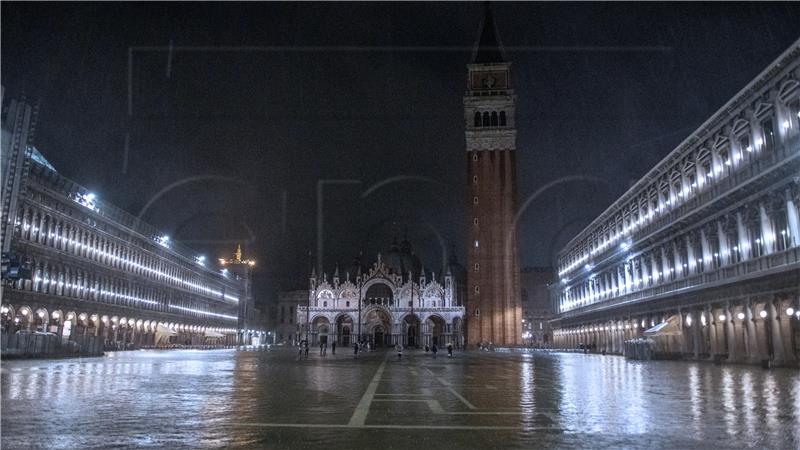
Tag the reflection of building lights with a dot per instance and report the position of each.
(688, 320)
(703, 319)
(4, 310)
(200, 260)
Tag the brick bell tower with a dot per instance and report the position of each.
(494, 311)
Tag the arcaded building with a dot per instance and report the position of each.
(79, 266)
(702, 254)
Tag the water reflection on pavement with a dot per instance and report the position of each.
(256, 399)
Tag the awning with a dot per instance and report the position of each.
(165, 330)
(669, 328)
(214, 334)
(163, 334)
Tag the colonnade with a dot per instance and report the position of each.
(746, 331)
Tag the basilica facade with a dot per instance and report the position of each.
(392, 301)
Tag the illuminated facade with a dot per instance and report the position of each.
(89, 268)
(706, 245)
(394, 301)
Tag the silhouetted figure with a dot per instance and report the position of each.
(450, 350)
(333, 348)
(399, 349)
(434, 350)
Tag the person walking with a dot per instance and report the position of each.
(434, 350)
(355, 350)
(450, 350)
(321, 345)
(399, 349)
(306, 347)
(300, 349)
(333, 348)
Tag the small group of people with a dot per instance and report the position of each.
(358, 346)
(323, 348)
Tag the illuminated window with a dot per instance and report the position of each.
(769, 133)
(475, 179)
(477, 288)
(475, 200)
(477, 266)
(477, 244)
(475, 221)
(474, 156)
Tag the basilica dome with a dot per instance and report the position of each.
(400, 259)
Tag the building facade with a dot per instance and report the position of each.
(493, 302)
(537, 307)
(91, 269)
(393, 301)
(283, 316)
(703, 253)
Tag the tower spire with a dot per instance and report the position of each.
(488, 48)
(238, 255)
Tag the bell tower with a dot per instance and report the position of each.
(493, 309)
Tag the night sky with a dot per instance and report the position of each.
(258, 101)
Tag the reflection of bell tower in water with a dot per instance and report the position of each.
(493, 310)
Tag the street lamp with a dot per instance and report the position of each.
(360, 300)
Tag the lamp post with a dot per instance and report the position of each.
(360, 280)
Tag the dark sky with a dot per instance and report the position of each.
(259, 101)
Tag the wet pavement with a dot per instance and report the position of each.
(269, 399)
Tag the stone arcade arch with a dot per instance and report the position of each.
(320, 329)
(378, 326)
(379, 294)
(344, 329)
(411, 329)
(436, 331)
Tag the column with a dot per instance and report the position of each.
(697, 336)
(751, 339)
(712, 332)
(775, 328)
(730, 331)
